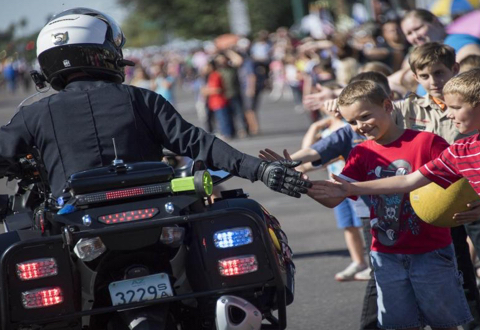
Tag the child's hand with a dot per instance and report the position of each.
(315, 101)
(331, 107)
(468, 216)
(337, 188)
(271, 155)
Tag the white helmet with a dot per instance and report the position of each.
(235, 313)
(81, 40)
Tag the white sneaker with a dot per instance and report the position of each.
(364, 275)
(348, 273)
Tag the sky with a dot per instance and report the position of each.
(38, 11)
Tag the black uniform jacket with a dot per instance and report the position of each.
(73, 131)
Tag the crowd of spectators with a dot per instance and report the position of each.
(229, 78)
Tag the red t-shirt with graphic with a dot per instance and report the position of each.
(395, 226)
(216, 101)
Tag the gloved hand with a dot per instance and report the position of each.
(281, 176)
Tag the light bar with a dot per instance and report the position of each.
(104, 196)
(238, 265)
(233, 237)
(38, 268)
(42, 297)
(128, 216)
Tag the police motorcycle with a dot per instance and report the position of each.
(140, 246)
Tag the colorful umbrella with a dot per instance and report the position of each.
(453, 7)
(466, 24)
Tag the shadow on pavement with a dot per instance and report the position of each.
(315, 254)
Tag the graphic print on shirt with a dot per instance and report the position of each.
(389, 209)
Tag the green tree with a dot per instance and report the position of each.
(270, 14)
(140, 31)
(203, 19)
(182, 18)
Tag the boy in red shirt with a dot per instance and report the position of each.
(413, 261)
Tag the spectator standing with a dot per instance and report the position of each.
(217, 101)
(232, 92)
(10, 75)
(260, 53)
(294, 81)
(141, 79)
(248, 82)
(164, 84)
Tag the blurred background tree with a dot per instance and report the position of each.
(152, 22)
(11, 45)
(270, 14)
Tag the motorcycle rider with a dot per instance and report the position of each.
(80, 55)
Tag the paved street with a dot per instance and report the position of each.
(319, 247)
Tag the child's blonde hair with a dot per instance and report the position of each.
(467, 85)
(469, 62)
(431, 53)
(376, 66)
(346, 69)
(362, 90)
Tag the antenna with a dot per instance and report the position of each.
(116, 161)
(114, 148)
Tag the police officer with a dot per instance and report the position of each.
(80, 55)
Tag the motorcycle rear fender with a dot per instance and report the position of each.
(13, 313)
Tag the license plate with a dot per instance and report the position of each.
(140, 289)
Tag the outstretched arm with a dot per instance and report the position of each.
(340, 188)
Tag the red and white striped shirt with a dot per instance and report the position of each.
(461, 159)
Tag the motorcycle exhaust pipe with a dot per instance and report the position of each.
(148, 318)
(235, 313)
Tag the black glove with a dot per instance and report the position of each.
(281, 176)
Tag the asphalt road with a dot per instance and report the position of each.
(319, 247)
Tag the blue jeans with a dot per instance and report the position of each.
(236, 109)
(224, 121)
(419, 289)
(345, 215)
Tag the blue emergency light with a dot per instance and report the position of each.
(233, 237)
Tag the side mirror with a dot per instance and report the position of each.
(219, 176)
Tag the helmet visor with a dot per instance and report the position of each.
(117, 34)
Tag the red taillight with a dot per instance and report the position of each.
(42, 297)
(238, 265)
(37, 268)
(128, 216)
